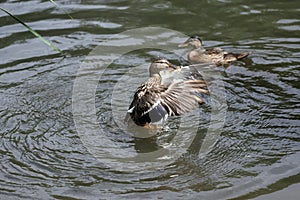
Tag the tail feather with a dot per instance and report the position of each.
(242, 55)
(230, 57)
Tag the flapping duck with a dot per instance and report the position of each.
(159, 97)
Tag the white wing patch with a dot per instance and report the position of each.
(152, 107)
(131, 109)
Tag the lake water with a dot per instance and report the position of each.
(61, 125)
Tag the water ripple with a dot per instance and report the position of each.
(43, 157)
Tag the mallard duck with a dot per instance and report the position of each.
(214, 55)
(158, 98)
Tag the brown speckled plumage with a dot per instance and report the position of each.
(155, 100)
(213, 55)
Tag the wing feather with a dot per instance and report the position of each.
(181, 97)
(154, 100)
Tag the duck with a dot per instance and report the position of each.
(213, 55)
(160, 97)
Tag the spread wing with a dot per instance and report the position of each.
(181, 97)
(154, 101)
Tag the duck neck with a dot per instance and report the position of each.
(198, 47)
(156, 77)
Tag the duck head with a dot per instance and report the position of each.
(159, 65)
(193, 41)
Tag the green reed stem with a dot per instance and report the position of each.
(32, 31)
(61, 9)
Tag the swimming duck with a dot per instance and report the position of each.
(158, 98)
(214, 55)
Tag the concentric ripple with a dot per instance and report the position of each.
(42, 154)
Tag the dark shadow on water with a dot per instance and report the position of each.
(146, 145)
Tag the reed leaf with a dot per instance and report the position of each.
(61, 9)
(31, 30)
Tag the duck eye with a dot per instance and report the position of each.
(161, 62)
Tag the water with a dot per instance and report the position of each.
(45, 156)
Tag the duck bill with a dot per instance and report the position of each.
(174, 66)
(185, 44)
